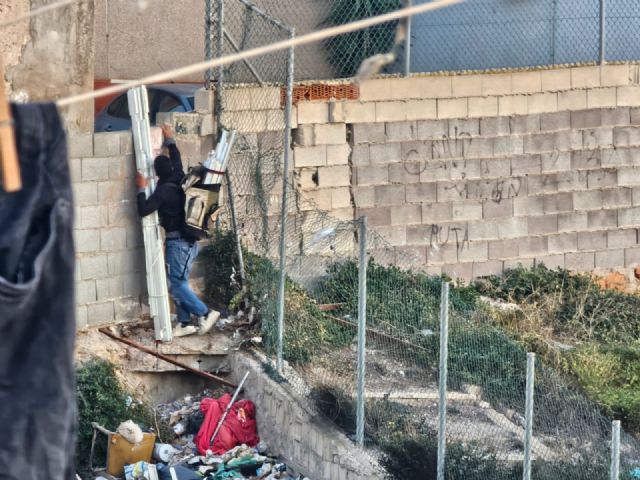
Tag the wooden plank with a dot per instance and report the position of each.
(9, 166)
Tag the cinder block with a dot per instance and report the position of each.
(592, 240)
(405, 172)
(586, 118)
(478, 148)
(631, 256)
(109, 192)
(512, 227)
(602, 219)
(568, 140)
(93, 267)
(95, 169)
(589, 200)
(441, 254)
(626, 136)
(401, 131)
(460, 128)
(94, 216)
(313, 112)
(585, 77)
(75, 168)
(555, 121)
(501, 209)
(435, 86)
(580, 262)
(424, 193)
(543, 225)
(81, 317)
(450, 148)
(434, 171)
(100, 313)
(572, 222)
(483, 107)
(471, 210)
(395, 236)
(113, 239)
(555, 161)
(421, 109)
(526, 206)
(550, 261)
(604, 178)
(391, 111)
(310, 156)
(616, 198)
(360, 155)
(369, 133)
(432, 129)
(533, 246)
(484, 230)
(85, 193)
(330, 134)
(555, 80)
(110, 288)
(622, 238)
(435, 212)
(526, 165)
(338, 154)
(376, 217)
(513, 105)
(122, 168)
(496, 84)
(465, 170)
(204, 100)
(390, 195)
(87, 241)
(572, 100)
(614, 75)
(406, 215)
(416, 152)
(359, 112)
(375, 89)
(597, 138)
(629, 217)
(526, 82)
(495, 126)
(106, 144)
(80, 144)
(629, 96)
(453, 107)
(364, 197)
(610, 259)
(385, 153)
(340, 198)
(121, 214)
(542, 102)
(474, 252)
(602, 97)
(466, 85)
(134, 237)
(563, 243)
(585, 160)
(629, 176)
(502, 249)
(635, 196)
(616, 116)
(452, 191)
(542, 142)
(525, 124)
(304, 135)
(495, 167)
(372, 175)
(571, 181)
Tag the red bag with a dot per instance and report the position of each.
(239, 427)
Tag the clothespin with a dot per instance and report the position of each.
(9, 166)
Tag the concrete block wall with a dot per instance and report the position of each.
(472, 174)
(110, 269)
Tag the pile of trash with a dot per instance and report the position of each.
(215, 438)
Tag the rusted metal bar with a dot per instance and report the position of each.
(144, 349)
(330, 307)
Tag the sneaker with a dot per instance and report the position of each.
(184, 330)
(207, 323)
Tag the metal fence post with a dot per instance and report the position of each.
(234, 222)
(442, 403)
(283, 214)
(615, 450)
(219, 53)
(208, 39)
(407, 43)
(362, 328)
(603, 31)
(528, 415)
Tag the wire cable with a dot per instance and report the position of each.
(264, 50)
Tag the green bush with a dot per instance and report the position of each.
(347, 52)
(221, 269)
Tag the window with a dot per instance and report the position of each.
(169, 103)
(119, 108)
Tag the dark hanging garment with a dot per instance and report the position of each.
(37, 307)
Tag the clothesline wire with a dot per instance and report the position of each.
(37, 11)
(264, 50)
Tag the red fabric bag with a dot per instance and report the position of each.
(239, 427)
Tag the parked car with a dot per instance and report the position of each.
(171, 97)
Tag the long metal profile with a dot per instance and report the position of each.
(528, 415)
(442, 390)
(153, 248)
(362, 329)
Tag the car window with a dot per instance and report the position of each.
(119, 108)
(169, 103)
(192, 102)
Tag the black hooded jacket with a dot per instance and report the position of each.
(168, 197)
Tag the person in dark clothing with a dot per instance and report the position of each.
(168, 200)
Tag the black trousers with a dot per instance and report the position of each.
(37, 307)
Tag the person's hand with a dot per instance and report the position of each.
(141, 181)
(167, 131)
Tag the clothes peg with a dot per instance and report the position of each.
(9, 166)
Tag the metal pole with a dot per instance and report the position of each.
(407, 43)
(283, 214)
(444, 354)
(234, 222)
(554, 28)
(528, 415)
(603, 30)
(615, 451)
(226, 412)
(208, 39)
(362, 329)
(220, 53)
